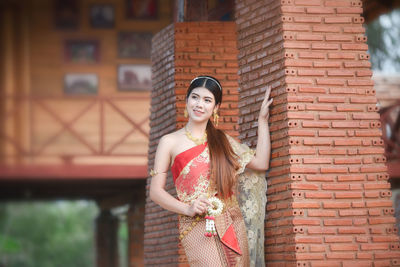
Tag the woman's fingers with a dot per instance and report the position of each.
(205, 201)
(268, 92)
(200, 206)
(200, 210)
(266, 102)
(270, 102)
(266, 96)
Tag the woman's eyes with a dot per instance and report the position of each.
(207, 100)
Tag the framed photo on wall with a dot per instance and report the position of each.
(102, 16)
(141, 9)
(81, 84)
(133, 77)
(81, 51)
(134, 44)
(66, 14)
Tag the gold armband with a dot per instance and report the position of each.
(154, 173)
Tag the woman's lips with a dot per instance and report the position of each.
(198, 113)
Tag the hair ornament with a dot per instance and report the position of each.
(206, 77)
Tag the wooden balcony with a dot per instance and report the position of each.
(81, 137)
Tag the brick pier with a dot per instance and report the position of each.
(328, 197)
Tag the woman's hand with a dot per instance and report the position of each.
(264, 110)
(199, 206)
(263, 150)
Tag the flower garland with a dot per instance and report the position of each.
(215, 209)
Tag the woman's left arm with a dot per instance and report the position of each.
(263, 149)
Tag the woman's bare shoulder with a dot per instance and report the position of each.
(171, 139)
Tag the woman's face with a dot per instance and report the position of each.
(200, 104)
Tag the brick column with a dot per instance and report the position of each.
(179, 53)
(160, 226)
(328, 197)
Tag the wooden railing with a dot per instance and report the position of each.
(65, 128)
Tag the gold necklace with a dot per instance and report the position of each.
(197, 141)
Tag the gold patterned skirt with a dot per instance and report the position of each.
(207, 251)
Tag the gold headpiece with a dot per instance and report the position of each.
(205, 77)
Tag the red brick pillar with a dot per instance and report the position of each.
(328, 196)
(179, 53)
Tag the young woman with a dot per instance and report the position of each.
(221, 204)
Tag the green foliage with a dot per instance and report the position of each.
(384, 42)
(123, 240)
(47, 234)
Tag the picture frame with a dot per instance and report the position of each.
(102, 16)
(82, 51)
(66, 14)
(134, 44)
(134, 77)
(141, 9)
(81, 84)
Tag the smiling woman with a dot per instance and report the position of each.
(221, 206)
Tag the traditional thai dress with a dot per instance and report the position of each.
(240, 226)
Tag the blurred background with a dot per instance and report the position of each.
(75, 81)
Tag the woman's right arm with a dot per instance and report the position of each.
(157, 186)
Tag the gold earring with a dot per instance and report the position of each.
(216, 117)
(185, 113)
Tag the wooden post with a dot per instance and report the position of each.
(190, 10)
(107, 240)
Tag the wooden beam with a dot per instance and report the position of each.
(72, 172)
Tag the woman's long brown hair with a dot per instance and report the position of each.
(223, 160)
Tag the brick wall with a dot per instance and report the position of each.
(160, 237)
(179, 53)
(208, 48)
(328, 197)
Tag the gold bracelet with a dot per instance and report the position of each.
(154, 173)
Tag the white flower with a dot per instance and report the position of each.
(216, 207)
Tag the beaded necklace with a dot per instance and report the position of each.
(197, 141)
